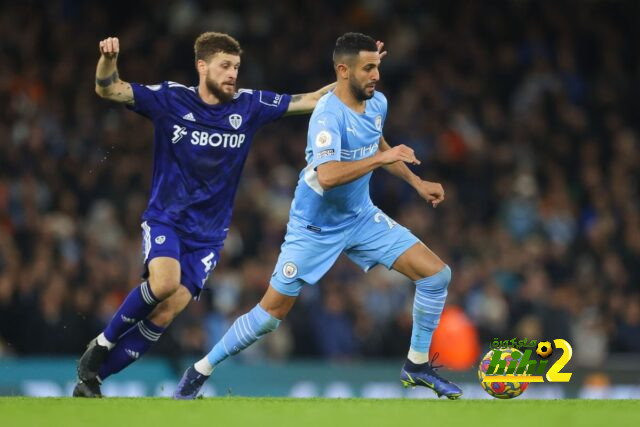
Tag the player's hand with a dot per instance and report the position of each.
(110, 47)
(380, 46)
(431, 191)
(400, 153)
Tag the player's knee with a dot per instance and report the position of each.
(444, 276)
(163, 286)
(431, 267)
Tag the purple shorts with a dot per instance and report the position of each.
(197, 259)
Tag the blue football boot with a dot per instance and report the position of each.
(190, 384)
(425, 375)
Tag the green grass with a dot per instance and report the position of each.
(261, 412)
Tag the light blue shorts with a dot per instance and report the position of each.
(307, 254)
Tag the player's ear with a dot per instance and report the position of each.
(201, 66)
(342, 70)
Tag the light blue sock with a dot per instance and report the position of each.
(246, 330)
(431, 293)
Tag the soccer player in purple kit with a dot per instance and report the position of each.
(201, 141)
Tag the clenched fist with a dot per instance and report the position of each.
(431, 192)
(110, 47)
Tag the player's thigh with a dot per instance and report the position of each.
(196, 265)
(164, 276)
(418, 262)
(305, 256)
(164, 313)
(161, 248)
(378, 239)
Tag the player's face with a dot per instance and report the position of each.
(364, 74)
(221, 75)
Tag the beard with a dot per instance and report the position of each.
(217, 91)
(359, 92)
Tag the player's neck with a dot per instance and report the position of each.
(206, 95)
(343, 92)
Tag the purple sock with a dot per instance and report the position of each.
(131, 346)
(137, 306)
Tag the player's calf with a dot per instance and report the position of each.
(246, 330)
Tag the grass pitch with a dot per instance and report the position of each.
(262, 412)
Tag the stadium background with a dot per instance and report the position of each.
(526, 112)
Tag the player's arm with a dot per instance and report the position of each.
(304, 103)
(108, 83)
(335, 173)
(430, 191)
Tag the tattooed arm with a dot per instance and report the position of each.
(304, 103)
(108, 83)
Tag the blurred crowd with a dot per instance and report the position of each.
(526, 111)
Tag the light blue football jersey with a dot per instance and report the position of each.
(337, 133)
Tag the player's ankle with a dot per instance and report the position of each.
(204, 367)
(104, 342)
(417, 357)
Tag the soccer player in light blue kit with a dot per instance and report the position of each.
(332, 213)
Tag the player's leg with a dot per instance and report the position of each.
(380, 240)
(248, 328)
(305, 257)
(164, 277)
(265, 317)
(431, 277)
(130, 320)
(196, 263)
(139, 339)
(163, 281)
(161, 248)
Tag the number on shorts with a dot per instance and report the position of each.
(207, 262)
(379, 216)
(208, 265)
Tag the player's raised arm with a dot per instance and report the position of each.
(108, 83)
(430, 191)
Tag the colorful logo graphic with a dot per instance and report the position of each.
(505, 372)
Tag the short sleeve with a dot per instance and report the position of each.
(383, 107)
(270, 106)
(149, 100)
(325, 138)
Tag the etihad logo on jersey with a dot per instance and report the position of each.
(359, 153)
(202, 138)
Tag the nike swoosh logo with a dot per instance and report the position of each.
(428, 384)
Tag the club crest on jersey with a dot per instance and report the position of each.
(235, 120)
(323, 139)
(160, 240)
(379, 122)
(289, 270)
